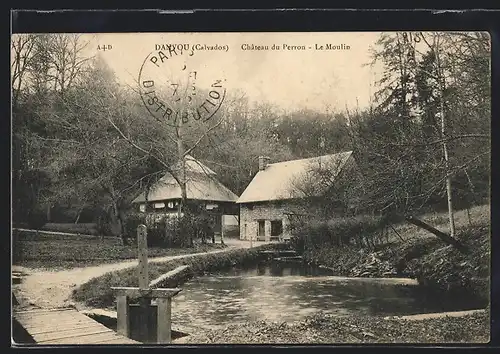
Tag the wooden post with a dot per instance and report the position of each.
(143, 274)
(144, 293)
(142, 244)
(222, 229)
(123, 315)
(164, 325)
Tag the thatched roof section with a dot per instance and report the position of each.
(201, 184)
(279, 180)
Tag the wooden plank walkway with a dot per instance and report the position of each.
(66, 326)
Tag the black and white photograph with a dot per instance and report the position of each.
(189, 188)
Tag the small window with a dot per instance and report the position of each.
(159, 205)
(142, 208)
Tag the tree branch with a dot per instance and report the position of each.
(455, 137)
(188, 151)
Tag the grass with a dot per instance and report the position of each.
(65, 254)
(480, 215)
(83, 228)
(97, 292)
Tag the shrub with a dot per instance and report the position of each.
(37, 218)
(359, 230)
(132, 221)
(17, 250)
(167, 231)
(103, 224)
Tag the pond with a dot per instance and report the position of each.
(291, 291)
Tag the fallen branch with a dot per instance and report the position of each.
(443, 236)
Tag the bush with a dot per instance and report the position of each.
(132, 221)
(360, 230)
(103, 224)
(17, 250)
(167, 231)
(37, 218)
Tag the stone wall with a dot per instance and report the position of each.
(250, 214)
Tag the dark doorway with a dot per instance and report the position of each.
(276, 227)
(261, 231)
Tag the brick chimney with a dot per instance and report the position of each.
(263, 161)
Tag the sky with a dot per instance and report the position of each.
(314, 78)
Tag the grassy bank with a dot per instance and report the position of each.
(97, 292)
(57, 254)
(83, 228)
(325, 329)
(422, 255)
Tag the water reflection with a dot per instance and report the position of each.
(289, 292)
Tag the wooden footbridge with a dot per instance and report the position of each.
(66, 326)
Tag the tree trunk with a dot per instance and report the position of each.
(182, 167)
(118, 220)
(471, 201)
(468, 215)
(182, 174)
(77, 215)
(445, 148)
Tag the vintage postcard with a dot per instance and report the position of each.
(244, 188)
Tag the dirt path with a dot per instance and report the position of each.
(46, 289)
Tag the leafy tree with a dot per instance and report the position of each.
(425, 78)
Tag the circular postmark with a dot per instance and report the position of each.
(175, 89)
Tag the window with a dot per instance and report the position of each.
(142, 208)
(159, 205)
(276, 227)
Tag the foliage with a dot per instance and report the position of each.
(446, 270)
(132, 221)
(37, 218)
(170, 230)
(103, 224)
(361, 231)
(428, 78)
